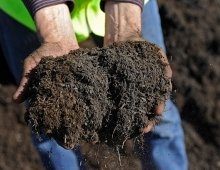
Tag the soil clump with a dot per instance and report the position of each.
(102, 94)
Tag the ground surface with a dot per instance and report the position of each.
(192, 33)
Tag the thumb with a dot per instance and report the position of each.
(20, 94)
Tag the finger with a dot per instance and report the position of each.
(20, 94)
(164, 56)
(148, 128)
(159, 109)
(167, 70)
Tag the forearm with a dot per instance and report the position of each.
(54, 25)
(57, 38)
(123, 21)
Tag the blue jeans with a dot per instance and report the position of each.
(166, 151)
(166, 142)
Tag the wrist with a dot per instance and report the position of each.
(123, 20)
(54, 26)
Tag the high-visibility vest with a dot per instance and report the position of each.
(86, 17)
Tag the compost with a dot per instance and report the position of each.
(103, 94)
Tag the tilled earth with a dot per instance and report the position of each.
(192, 34)
(16, 150)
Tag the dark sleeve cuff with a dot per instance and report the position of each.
(34, 5)
(140, 3)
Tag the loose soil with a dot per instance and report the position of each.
(16, 149)
(103, 94)
(192, 36)
(103, 157)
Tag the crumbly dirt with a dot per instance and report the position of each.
(102, 157)
(16, 150)
(192, 36)
(103, 94)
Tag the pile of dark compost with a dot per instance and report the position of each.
(192, 35)
(16, 149)
(103, 94)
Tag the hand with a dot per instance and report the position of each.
(159, 109)
(47, 49)
(55, 31)
(123, 23)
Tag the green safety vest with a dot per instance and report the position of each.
(86, 17)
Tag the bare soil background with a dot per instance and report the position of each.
(192, 34)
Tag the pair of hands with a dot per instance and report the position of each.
(54, 26)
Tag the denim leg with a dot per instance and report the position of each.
(17, 42)
(55, 157)
(166, 142)
(151, 25)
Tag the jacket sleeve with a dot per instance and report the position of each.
(34, 5)
(140, 3)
